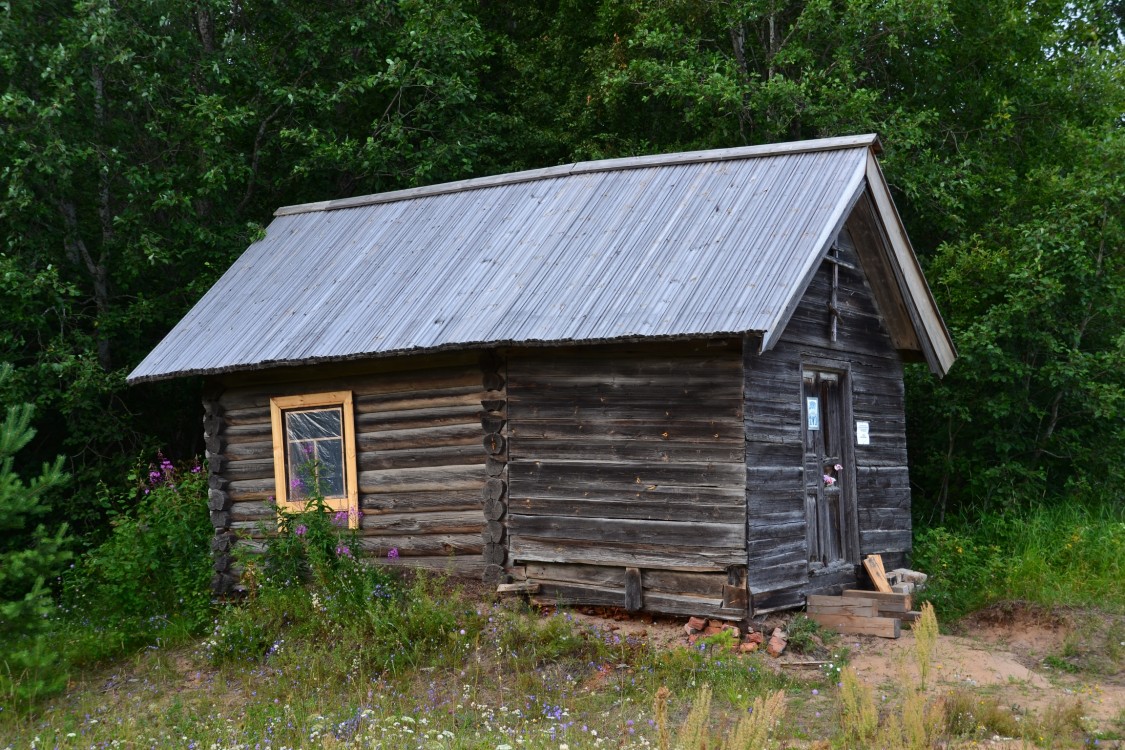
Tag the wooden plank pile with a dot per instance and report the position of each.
(856, 612)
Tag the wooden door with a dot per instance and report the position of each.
(829, 494)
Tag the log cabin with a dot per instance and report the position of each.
(671, 383)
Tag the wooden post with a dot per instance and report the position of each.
(493, 422)
(634, 595)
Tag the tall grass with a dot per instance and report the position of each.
(1065, 554)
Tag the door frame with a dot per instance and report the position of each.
(849, 493)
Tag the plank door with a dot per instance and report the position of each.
(829, 491)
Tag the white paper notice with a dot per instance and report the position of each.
(863, 433)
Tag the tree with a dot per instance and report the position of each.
(145, 145)
(30, 553)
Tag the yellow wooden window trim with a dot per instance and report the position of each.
(278, 405)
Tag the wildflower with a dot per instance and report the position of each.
(829, 480)
(301, 529)
(340, 518)
(296, 483)
(838, 467)
(343, 551)
(196, 469)
(393, 555)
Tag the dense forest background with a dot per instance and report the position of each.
(146, 143)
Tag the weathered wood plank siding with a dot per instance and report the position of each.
(420, 463)
(778, 565)
(628, 457)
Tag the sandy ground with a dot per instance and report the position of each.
(1027, 658)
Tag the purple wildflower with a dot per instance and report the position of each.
(343, 551)
(196, 469)
(296, 483)
(829, 480)
(301, 529)
(340, 518)
(393, 554)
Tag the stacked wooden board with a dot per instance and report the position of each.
(862, 612)
(858, 612)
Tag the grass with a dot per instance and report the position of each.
(1069, 554)
(519, 680)
(499, 674)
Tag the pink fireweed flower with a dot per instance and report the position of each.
(340, 518)
(196, 469)
(393, 554)
(301, 529)
(829, 480)
(838, 467)
(343, 551)
(296, 483)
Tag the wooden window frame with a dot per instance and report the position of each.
(343, 399)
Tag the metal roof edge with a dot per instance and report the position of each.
(937, 343)
(868, 140)
(134, 379)
(828, 235)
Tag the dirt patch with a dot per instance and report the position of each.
(1012, 651)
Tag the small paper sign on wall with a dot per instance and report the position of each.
(812, 407)
(863, 433)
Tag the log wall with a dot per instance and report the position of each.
(625, 476)
(420, 462)
(778, 567)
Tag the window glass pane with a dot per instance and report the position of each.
(315, 452)
(300, 475)
(313, 424)
(330, 454)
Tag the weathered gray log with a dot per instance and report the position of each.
(220, 519)
(653, 533)
(493, 381)
(697, 559)
(260, 450)
(494, 509)
(494, 467)
(412, 458)
(497, 405)
(429, 479)
(420, 502)
(494, 554)
(493, 574)
(649, 507)
(251, 489)
(491, 422)
(494, 489)
(217, 500)
(432, 403)
(419, 437)
(494, 443)
(441, 522)
(422, 545)
(634, 598)
(493, 532)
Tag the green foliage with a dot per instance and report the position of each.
(145, 145)
(1069, 554)
(311, 587)
(156, 563)
(31, 553)
(806, 635)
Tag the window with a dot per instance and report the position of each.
(314, 445)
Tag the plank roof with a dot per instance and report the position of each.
(698, 244)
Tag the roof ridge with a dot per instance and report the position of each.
(869, 140)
